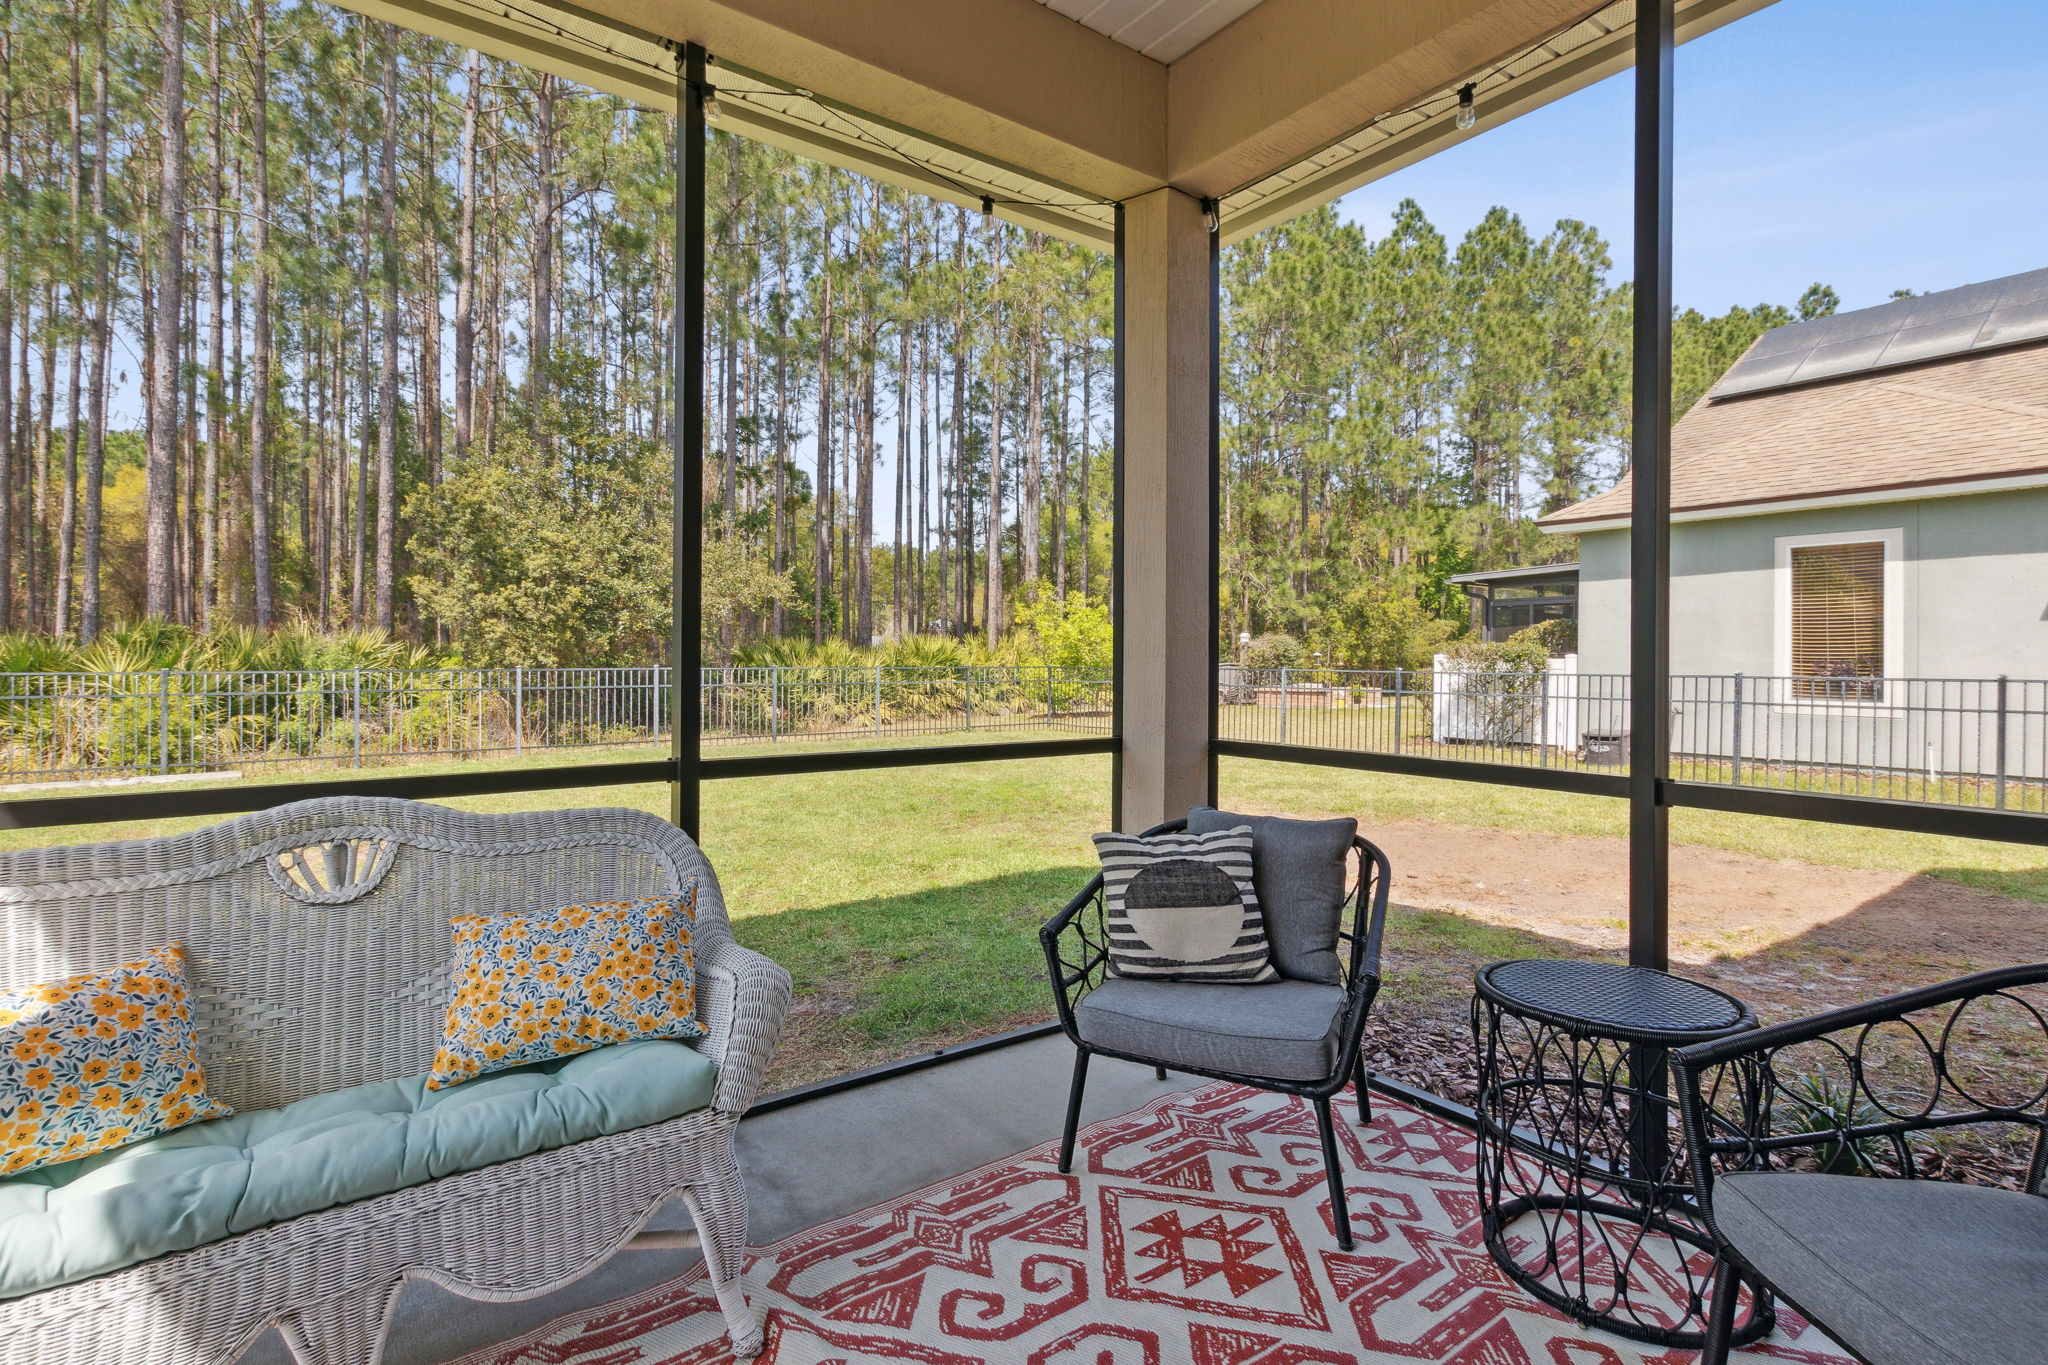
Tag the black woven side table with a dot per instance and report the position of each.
(1582, 1180)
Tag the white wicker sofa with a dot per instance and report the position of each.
(318, 945)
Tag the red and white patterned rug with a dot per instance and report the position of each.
(1197, 1230)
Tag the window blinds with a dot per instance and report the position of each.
(1838, 610)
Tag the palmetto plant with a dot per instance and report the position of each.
(1824, 1103)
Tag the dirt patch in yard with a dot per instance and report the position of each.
(1724, 905)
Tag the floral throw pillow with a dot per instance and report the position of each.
(97, 1061)
(528, 987)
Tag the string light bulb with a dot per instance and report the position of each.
(1468, 112)
(988, 209)
(1210, 220)
(714, 112)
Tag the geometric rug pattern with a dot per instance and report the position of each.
(1197, 1230)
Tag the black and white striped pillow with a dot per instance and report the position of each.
(1181, 907)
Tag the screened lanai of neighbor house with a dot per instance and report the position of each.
(441, 1080)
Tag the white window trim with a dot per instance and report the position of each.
(1893, 539)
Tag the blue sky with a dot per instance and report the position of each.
(1870, 144)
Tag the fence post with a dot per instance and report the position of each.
(2000, 741)
(1283, 703)
(163, 720)
(518, 709)
(967, 692)
(356, 712)
(1735, 738)
(1543, 717)
(774, 702)
(1400, 681)
(878, 699)
(1051, 711)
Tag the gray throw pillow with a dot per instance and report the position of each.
(1298, 870)
(1181, 907)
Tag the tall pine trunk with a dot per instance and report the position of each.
(1087, 489)
(8, 482)
(465, 256)
(161, 455)
(992, 612)
(821, 503)
(67, 517)
(216, 332)
(261, 571)
(1030, 512)
(96, 386)
(541, 296)
(387, 370)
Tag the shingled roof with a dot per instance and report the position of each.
(1977, 415)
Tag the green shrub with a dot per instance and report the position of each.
(1275, 649)
(1556, 637)
(1501, 685)
(1383, 627)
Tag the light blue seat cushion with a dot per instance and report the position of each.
(211, 1180)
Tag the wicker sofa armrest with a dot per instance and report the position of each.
(1850, 1089)
(743, 998)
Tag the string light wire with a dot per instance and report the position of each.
(1444, 101)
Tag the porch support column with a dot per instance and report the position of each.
(1167, 585)
(686, 437)
(1649, 532)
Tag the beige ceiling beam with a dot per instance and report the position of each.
(1292, 76)
(1009, 79)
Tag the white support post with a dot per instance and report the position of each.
(1169, 510)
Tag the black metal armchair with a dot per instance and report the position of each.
(1941, 1092)
(1307, 1032)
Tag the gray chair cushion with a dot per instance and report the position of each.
(1284, 1031)
(1298, 871)
(1902, 1272)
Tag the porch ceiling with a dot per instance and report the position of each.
(1164, 30)
(1271, 106)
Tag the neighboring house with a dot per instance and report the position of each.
(1860, 501)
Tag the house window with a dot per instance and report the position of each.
(1839, 628)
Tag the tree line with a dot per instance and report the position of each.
(306, 318)
(1401, 409)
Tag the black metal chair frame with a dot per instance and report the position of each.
(1076, 943)
(1735, 1100)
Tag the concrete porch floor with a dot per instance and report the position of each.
(804, 1165)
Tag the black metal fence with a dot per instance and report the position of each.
(1951, 741)
(96, 726)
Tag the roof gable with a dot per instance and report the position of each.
(1976, 417)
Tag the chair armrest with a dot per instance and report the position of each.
(1745, 1106)
(1075, 958)
(743, 998)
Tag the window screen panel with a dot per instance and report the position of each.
(1838, 610)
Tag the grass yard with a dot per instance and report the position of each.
(905, 902)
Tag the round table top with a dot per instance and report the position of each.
(1607, 998)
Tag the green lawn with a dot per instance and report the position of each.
(905, 901)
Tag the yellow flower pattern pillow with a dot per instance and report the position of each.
(528, 987)
(97, 1061)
